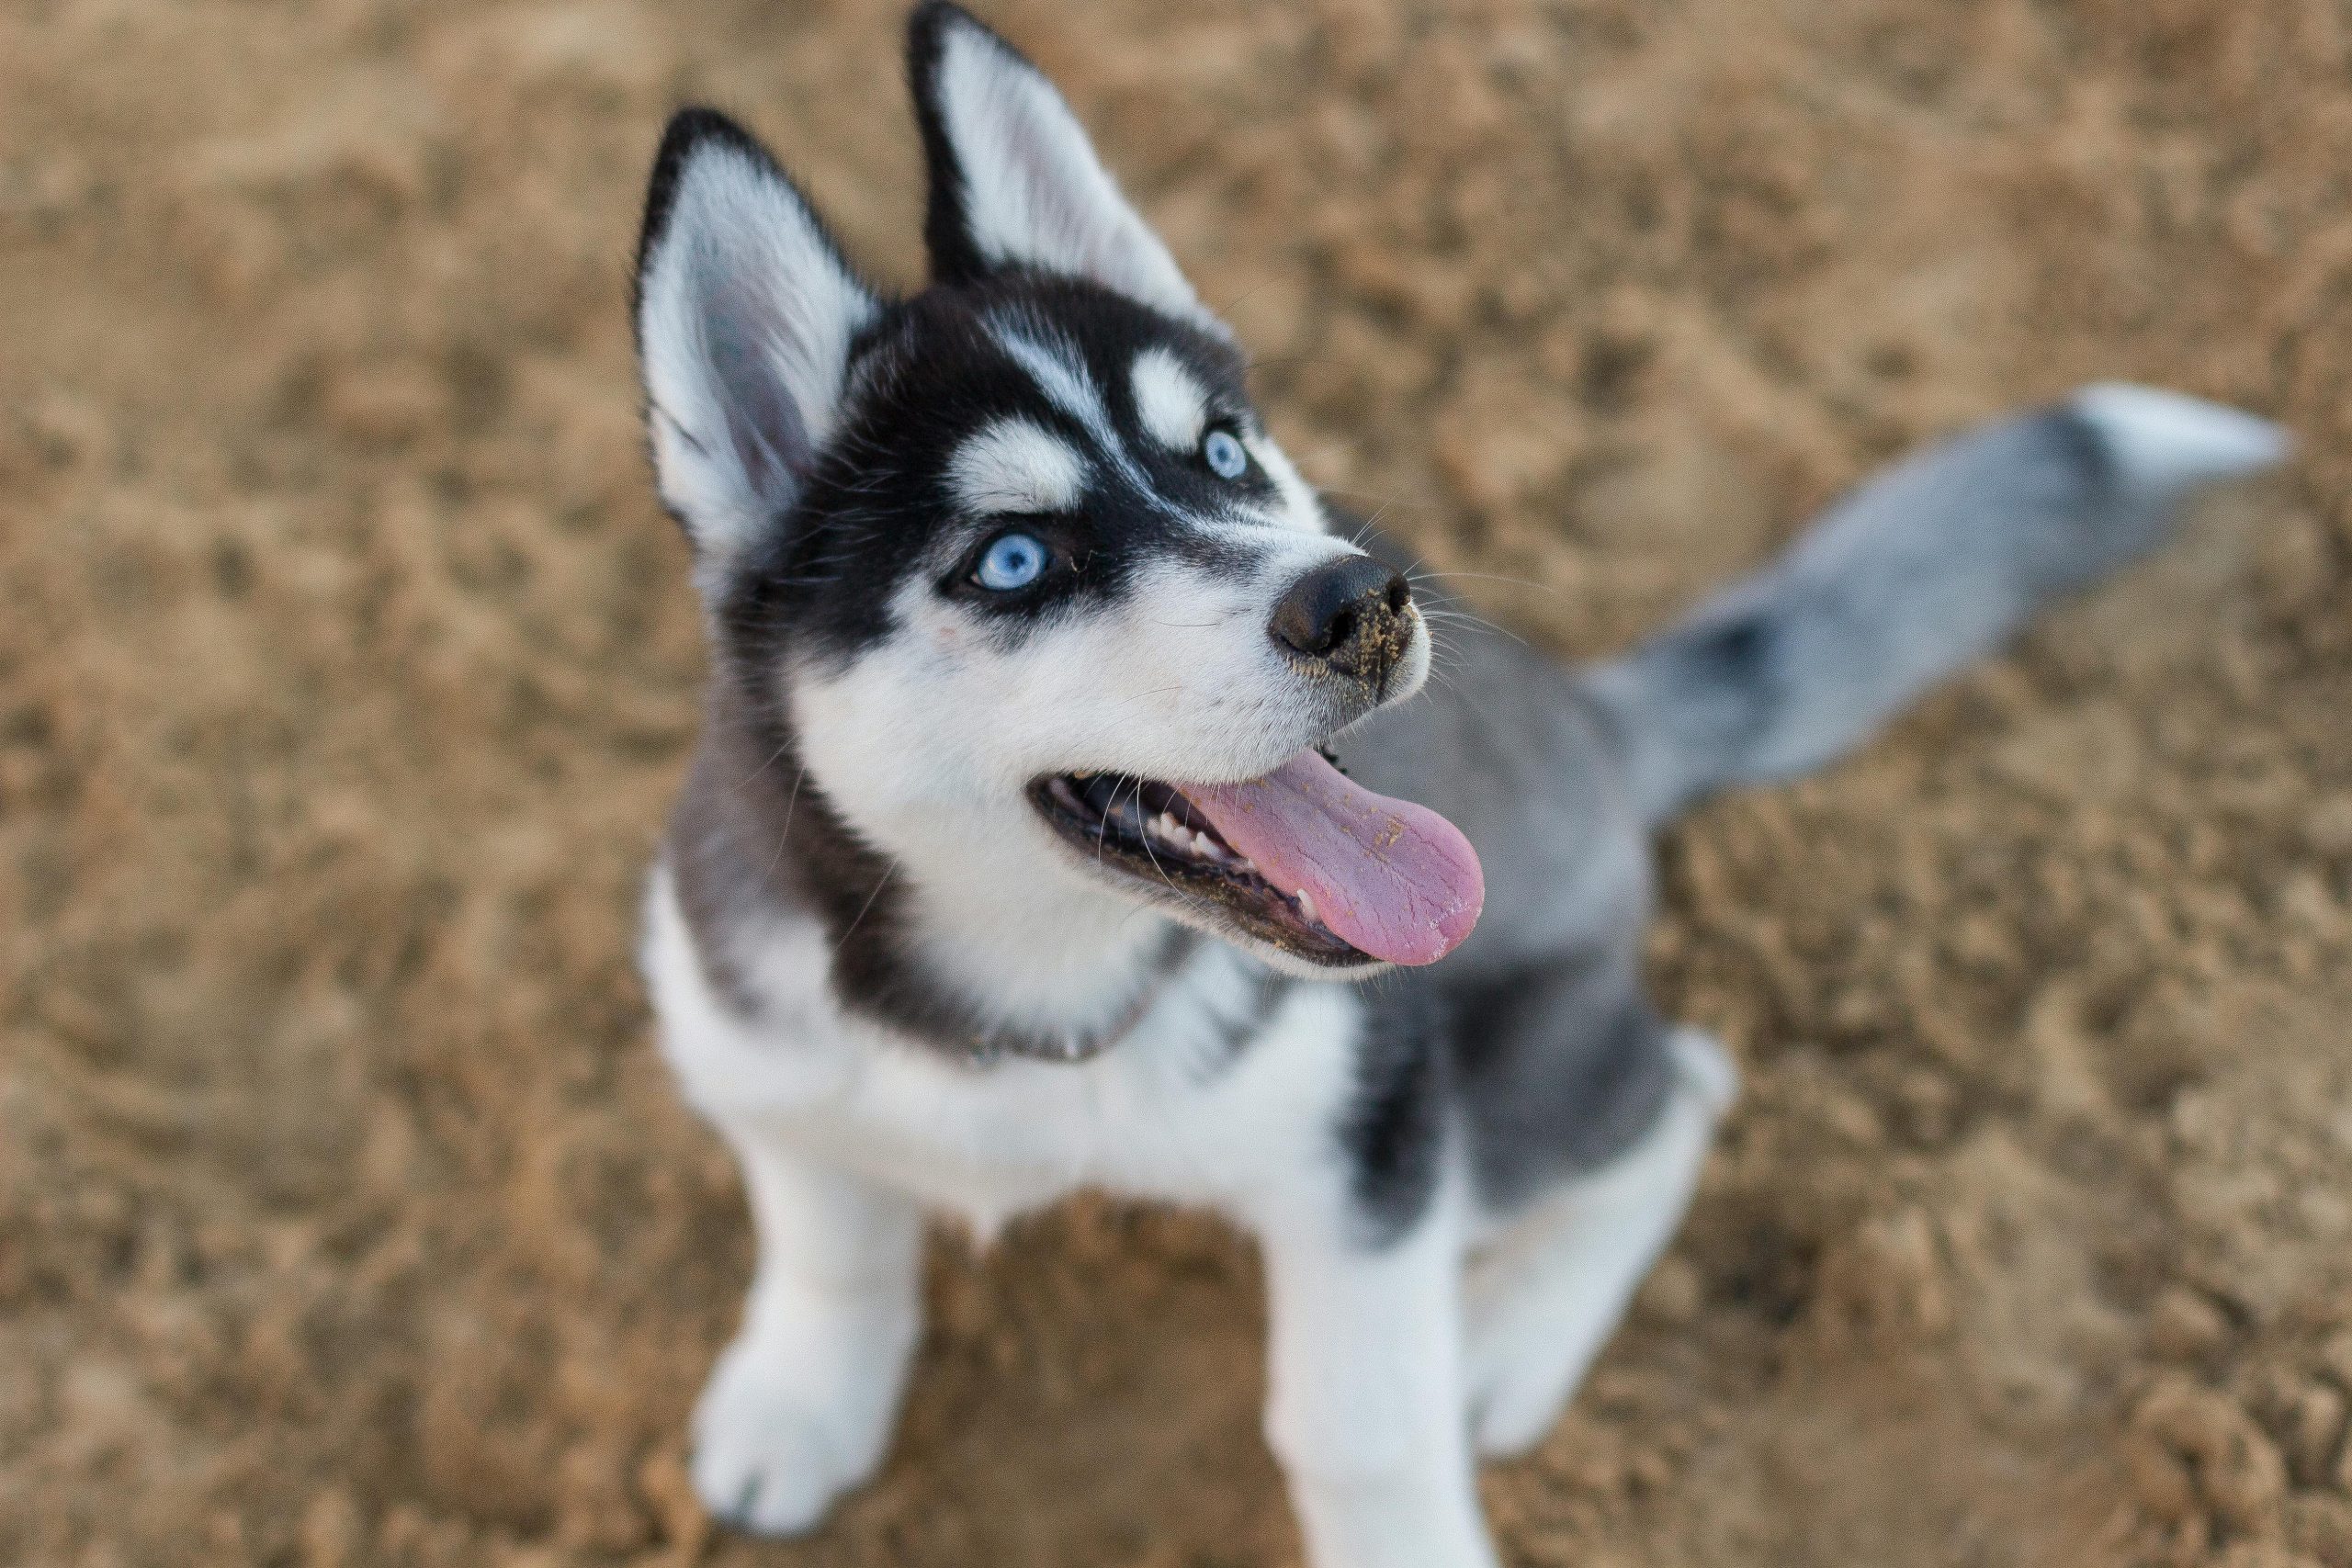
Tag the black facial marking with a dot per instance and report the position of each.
(1068, 559)
(933, 373)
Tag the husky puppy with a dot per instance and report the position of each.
(1015, 858)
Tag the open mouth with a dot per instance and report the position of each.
(1151, 830)
(1303, 858)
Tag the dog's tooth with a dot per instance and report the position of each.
(1305, 905)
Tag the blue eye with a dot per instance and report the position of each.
(1011, 561)
(1223, 451)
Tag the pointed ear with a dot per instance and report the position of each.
(1014, 182)
(745, 316)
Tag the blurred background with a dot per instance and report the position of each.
(346, 667)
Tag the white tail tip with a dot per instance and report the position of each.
(2172, 440)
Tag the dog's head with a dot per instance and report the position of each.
(1014, 560)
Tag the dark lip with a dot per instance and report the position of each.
(1242, 899)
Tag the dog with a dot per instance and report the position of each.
(1073, 810)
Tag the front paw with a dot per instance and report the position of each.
(772, 1450)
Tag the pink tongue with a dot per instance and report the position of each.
(1393, 878)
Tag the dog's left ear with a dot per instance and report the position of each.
(1014, 182)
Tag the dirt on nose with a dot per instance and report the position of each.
(1383, 638)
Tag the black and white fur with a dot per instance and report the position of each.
(895, 987)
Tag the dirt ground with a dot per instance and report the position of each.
(347, 665)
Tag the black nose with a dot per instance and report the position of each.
(1349, 613)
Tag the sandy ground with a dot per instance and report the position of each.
(346, 664)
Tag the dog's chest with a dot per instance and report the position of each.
(1179, 1111)
(1216, 1094)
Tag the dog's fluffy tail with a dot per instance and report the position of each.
(1925, 567)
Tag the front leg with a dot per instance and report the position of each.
(799, 1408)
(1364, 1403)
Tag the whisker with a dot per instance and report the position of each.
(784, 834)
(1154, 858)
(1383, 500)
(764, 767)
(1227, 307)
(1498, 577)
(880, 883)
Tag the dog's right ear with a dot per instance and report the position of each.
(1014, 181)
(746, 312)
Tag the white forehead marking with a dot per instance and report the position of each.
(1055, 366)
(1060, 374)
(1170, 401)
(1015, 465)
